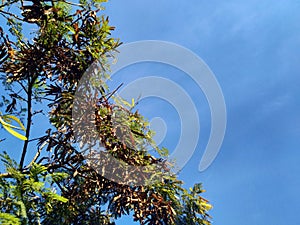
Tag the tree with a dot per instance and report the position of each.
(59, 185)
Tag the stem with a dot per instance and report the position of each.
(3, 13)
(5, 175)
(38, 153)
(8, 3)
(75, 4)
(29, 120)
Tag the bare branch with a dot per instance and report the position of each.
(8, 3)
(10, 14)
(37, 154)
(5, 175)
(75, 4)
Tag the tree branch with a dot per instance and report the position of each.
(8, 3)
(5, 175)
(73, 3)
(29, 119)
(10, 14)
(37, 154)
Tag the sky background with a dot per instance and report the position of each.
(253, 48)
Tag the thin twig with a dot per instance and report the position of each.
(34, 139)
(72, 3)
(37, 154)
(24, 88)
(8, 3)
(11, 14)
(111, 94)
(5, 175)
(48, 99)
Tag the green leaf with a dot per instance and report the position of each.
(14, 133)
(8, 219)
(206, 206)
(59, 176)
(54, 196)
(23, 212)
(37, 169)
(71, 29)
(6, 120)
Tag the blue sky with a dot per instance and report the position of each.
(253, 48)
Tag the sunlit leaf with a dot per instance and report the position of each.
(14, 133)
(7, 117)
(6, 120)
(7, 219)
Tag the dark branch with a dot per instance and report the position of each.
(29, 119)
(10, 14)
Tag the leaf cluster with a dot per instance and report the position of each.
(24, 196)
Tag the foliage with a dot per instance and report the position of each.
(59, 185)
(24, 197)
